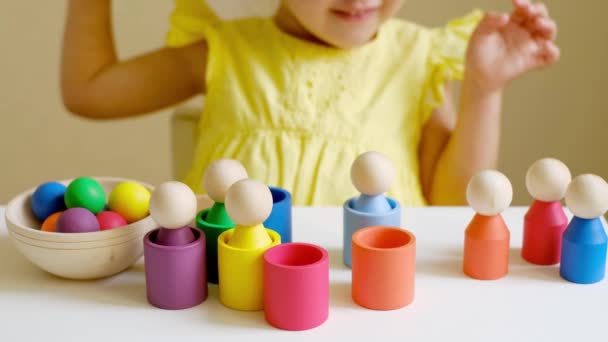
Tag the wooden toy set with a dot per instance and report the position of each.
(243, 243)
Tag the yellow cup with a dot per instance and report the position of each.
(241, 273)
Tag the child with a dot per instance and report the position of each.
(298, 96)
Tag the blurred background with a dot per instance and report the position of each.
(559, 112)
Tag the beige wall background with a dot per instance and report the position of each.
(560, 112)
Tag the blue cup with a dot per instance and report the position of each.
(583, 259)
(280, 217)
(355, 220)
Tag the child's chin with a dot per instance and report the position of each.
(350, 41)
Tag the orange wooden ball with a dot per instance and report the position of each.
(49, 224)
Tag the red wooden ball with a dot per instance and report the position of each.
(109, 220)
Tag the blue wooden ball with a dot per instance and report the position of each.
(48, 199)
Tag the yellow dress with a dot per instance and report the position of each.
(296, 114)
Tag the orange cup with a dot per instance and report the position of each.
(383, 267)
(486, 248)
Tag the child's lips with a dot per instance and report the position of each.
(354, 14)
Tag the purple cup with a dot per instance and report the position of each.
(176, 276)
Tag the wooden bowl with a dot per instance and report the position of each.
(76, 255)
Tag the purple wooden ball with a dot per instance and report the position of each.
(77, 220)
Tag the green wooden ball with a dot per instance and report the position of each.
(85, 192)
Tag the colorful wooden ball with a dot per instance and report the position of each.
(372, 173)
(48, 199)
(547, 180)
(489, 192)
(49, 224)
(173, 205)
(587, 196)
(109, 220)
(248, 202)
(130, 200)
(77, 220)
(85, 192)
(220, 175)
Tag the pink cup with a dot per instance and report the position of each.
(296, 286)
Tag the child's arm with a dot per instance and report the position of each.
(95, 84)
(502, 48)
(453, 150)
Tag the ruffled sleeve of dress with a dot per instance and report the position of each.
(190, 21)
(446, 57)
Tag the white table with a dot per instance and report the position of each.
(532, 303)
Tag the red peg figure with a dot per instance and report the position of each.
(486, 242)
(544, 224)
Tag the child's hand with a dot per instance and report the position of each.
(504, 47)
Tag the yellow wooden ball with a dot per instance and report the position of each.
(130, 200)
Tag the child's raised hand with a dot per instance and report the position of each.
(504, 47)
